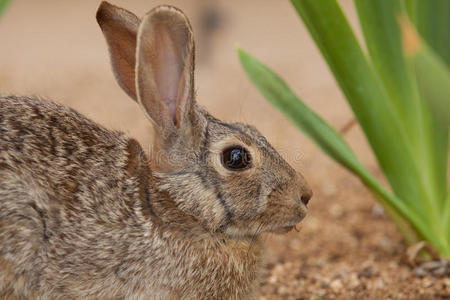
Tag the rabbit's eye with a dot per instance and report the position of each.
(236, 158)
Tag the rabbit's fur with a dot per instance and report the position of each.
(85, 214)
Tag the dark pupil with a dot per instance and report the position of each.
(235, 158)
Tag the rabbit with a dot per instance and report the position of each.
(85, 213)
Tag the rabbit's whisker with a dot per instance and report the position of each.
(256, 233)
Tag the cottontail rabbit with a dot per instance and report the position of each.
(84, 214)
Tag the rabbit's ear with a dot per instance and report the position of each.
(120, 29)
(165, 67)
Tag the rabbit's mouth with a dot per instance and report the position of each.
(286, 227)
(282, 230)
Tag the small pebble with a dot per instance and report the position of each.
(278, 270)
(447, 282)
(419, 272)
(320, 293)
(379, 284)
(336, 285)
(354, 281)
(439, 272)
(431, 265)
(282, 290)
(386, 244)
(324, 283)
(320, 263)
(367, 272)
(404, 273)
(427, 282)
(437, 268)
(378, 210)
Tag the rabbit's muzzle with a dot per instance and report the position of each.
(305, 198)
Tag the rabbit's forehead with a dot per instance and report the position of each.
(244, 132)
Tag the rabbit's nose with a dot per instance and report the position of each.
(306, 195)
(306, 192)
(305, 198)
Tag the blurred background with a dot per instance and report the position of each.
(55, 50)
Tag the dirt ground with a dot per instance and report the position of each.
(346, 248)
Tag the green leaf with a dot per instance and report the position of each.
(3, 5)
(382, 35)
(280, 95)
(433, 79)
(391, 99)
(432, 19)
(432, 72)
(379, 21)
(364, 91)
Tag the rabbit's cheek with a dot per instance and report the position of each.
(190, 195)
(283, 214)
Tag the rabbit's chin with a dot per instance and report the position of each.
(237, 233)
(282, 230)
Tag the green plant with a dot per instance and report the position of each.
(3, 5)
(396, 91)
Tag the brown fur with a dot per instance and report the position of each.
(82, 214)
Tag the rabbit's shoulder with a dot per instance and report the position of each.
(62, 150)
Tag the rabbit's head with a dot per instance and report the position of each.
(225, 174)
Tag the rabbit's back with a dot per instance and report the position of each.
(65, 194)
(55, 144)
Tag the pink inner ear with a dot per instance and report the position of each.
(169, 64)
(164, 68)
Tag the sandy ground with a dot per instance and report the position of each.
(346, 248)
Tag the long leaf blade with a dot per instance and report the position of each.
(275, 90)
(3, 5)
(278, 93)
(432, 19)
(433, 80)
(382, 35)
(379, 21)
(369, 101)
